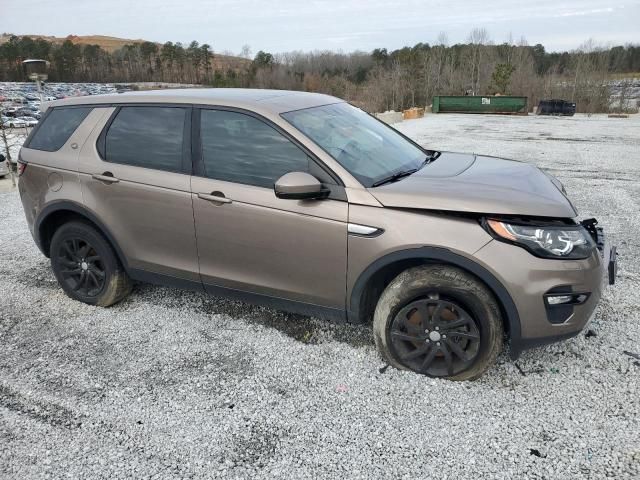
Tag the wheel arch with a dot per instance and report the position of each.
(57, 213)
(377, 275)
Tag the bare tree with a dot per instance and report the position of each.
(477, 39)
(623, 100)
(246, 51)
(9, 141)
(590, 85)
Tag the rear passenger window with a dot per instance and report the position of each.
(150, 137)
(242, 149)
(57, 127)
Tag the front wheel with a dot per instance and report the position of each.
(438, 321)
(86, 265)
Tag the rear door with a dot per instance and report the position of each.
(252, 241)
(135, 176)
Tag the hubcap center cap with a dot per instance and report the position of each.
(434, 336)
(84, 265)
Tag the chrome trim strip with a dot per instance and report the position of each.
(363, 230)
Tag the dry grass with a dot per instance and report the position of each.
(111, 44)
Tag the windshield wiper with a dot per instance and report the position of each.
(430, 159)
(395, 177)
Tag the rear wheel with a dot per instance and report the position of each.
(439, 321)
(86, 266)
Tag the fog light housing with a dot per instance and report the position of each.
(559, 299)
(566, 299)
(559, 303)
(554, 299)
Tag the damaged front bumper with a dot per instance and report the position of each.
(531, 281)
(607, 251)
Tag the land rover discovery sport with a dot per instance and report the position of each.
(302, 202)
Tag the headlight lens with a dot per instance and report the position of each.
(565, 242)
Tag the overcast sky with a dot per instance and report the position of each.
(286, 25)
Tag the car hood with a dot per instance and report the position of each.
(478, 184)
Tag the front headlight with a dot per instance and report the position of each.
(554, 241)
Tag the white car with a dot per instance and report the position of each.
(4, 167)
(30, 121)
(11, 122)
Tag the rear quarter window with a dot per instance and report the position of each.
(57, 127)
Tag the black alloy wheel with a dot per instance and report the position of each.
(86, 265)
(435, 335)
(83, 269)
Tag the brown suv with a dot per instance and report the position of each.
(305, 203)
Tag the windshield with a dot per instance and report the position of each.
(367, 148)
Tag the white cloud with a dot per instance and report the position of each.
(580, 13)
(282, 25)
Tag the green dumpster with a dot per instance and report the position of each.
(480, 104)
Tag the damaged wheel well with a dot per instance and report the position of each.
(379, 274)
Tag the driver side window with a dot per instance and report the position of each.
(240, 148)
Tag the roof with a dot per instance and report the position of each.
(272, 101)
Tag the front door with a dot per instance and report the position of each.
(248, 239)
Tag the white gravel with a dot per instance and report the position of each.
(173, 384)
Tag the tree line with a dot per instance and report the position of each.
(377, 81)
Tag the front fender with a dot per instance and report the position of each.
(439, 255)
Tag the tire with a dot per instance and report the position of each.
(439, 321)
(86, 266)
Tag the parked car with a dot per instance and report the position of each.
(4, 168)
(23, 112)
(305, 203)
(10, 111)
(12, 122)
(29, 121)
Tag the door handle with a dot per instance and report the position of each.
(217, 198)
(106, 177)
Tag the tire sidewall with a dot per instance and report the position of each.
(456, 285)
(90, 235)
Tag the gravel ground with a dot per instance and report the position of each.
(172, 384)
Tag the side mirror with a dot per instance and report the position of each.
(299, 186)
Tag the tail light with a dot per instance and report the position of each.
(22, 166)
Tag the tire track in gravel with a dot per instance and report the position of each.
(39, 410)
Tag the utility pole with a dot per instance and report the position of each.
(39, 85)
(7, 147)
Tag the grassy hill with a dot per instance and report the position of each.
(111, 44)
